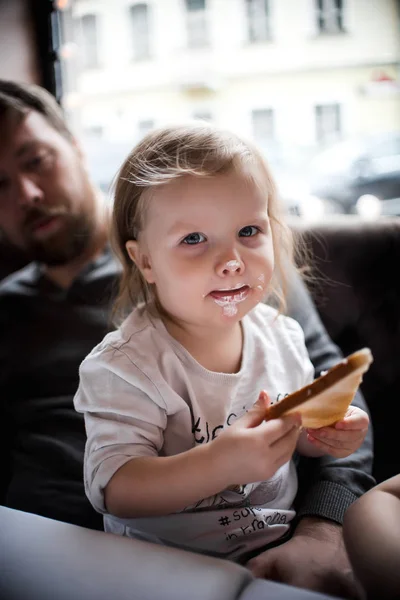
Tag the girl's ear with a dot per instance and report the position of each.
(140, 259)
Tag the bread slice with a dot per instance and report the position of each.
(325, 400)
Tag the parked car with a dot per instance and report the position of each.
(359, 174)
(298, 201)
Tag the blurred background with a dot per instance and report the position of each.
(316, 83)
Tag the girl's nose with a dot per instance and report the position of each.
(230, 267)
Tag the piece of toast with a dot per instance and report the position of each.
(326, 400)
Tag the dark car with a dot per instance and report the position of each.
(360, 168)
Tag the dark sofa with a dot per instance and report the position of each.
(356, 288)
(357, 292)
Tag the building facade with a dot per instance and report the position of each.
(295, 75)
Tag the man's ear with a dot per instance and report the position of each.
(80, 153)
(140, 259)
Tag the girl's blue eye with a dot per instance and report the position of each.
(249, 231)
(194, 238)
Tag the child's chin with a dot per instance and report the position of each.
(234, 312)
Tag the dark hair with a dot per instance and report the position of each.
(17, 99)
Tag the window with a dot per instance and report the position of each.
(328, 123)
(197, 26)
(202, 115)
(139, 16)
(263, 128)
(208, 61)
(257, 20)
(329, 16)
(144, 127)
(87, 36)
(93, 132)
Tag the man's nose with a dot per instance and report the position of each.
(232, 265)
(29, 193)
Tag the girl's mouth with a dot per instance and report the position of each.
(231, 295)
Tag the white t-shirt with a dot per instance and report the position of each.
(143, 394)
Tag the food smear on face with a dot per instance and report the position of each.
(232, 265)
(261, 286)
(229, 299)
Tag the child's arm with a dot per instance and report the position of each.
(249, 450)
(372, 536)
(339, 440)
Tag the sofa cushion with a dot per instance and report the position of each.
(357, 291)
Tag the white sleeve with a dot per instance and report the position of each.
(125, 417)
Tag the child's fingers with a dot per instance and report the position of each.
(324, 447)
(253, 417)
(257, 412)
(329, 433)
(264, 399)
(342, 439)
(353, 421)
(282, 450)
(276, 429)
(335, 451)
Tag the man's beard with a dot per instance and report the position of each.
(65, 245)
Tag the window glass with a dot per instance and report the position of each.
(257, 20)
(330, 16)
(87, 36)
(314, 83)
(139, 14)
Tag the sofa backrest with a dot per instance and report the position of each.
(357, 292)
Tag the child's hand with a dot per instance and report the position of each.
(251, 449)
(344, 437)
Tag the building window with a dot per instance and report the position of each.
(258, 26)
(93, 132)
(197, 25)
(144, 127)
(263, 126)
(327, 123)
(139, 17)
(329, 16)
(87, 35)
(203, 115)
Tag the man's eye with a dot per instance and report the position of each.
(35, 162)
(249, 231)
(194, 238)
(3, 184)
(38, 162)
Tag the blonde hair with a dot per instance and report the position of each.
(197, 150)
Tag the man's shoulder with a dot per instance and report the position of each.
(20, 282)
(105, 265)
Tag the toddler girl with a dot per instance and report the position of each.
(177, 450)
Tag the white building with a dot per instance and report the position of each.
(294, 74)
